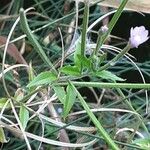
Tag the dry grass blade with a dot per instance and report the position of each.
(104, 110)
(70, 127)
(46, 140)
(13, 67)
(20, 125)
(130, 129)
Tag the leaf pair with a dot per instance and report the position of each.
(66, 98)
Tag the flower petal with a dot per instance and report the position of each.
(138, 35)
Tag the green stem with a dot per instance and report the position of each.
(116, 58)
(112, 23)
(100, 35)
(108, 85)
(84, 28)
(97, 123)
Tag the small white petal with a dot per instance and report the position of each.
(138, 35)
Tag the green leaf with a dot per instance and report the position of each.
(97, 123)
(2, 136)
(60, 92)
(76, 53)
(2, 103)
(71, 70)
(50, 131)
(97, 60)
(9, 76)
(26, 29)
(108, 75)
(86, 62)
(144, 143)
(70, 99)
(24, 116)
(42, 79)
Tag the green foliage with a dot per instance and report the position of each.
(23, 116)
(77, 53)
(43, 79)
(2, 136)
(86, 62)
(143, 143)
(69, 101)
(71, 70)
(33, 40)
(60, 92)
(107, 75)
(111, 24)
(3, 102)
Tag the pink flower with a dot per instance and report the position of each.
(138, 35)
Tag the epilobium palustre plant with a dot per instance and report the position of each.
(75, 99)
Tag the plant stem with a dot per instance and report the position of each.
(112, 23)
(84, 28)
(108, 85)
(97, 123)
(115, 59)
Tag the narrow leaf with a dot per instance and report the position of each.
(24, 116)
(42, 79)
(3, 101)
(108, 75)
(70, 99)
(77, 53)
(2, 136)
(26, 29)
(71, 70)
(60, 92)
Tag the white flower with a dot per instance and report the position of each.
(138, 35)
